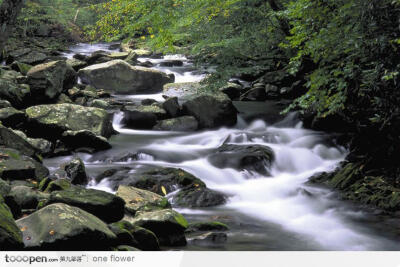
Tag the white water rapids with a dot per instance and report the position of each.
(308, 213)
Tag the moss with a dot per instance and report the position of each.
(58, 185)
(181, 220)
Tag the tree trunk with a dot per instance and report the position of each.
(276, 6)
(9, 11)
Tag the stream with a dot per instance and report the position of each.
(281, 212)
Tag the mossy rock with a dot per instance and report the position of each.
(28, 197)
(10, 234)
(168, 225)
(141, 200)
(63, 227)
(51, 121)
(12, 139)
(106, 206)
(57, 185)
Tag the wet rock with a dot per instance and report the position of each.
(120, 77)
(142, 117)
(172, 107)
(168, 225)
(106, 206)
(181, 124)
(75, 171)
(119, 55)
(76, 64)
(251, 158)
(136, 236)
(206, 226)
(98, 57)
(141, 200)
(50, 121)
(148, 102)
(63, 227)
(171, 63)
(211, 111)
(70, 78)
(11, 117)
(10, 233)
(46, 81)
(272, 91)
(210, 238)
(15, 166)
(146, 64)
(85, 141)
(232, 90)
(254, 94)
(198, 197)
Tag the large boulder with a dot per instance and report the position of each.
(141, 200)
(122, 78)
(84, 140)
(12, 139)
(211, 110)
(63, 227)
(46, 80)
(10, 234)
(255, 158)
(168, 225)
(50, 121)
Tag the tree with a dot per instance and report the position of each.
(9, 11)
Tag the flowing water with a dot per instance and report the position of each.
(281, 212)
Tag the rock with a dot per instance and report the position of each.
(57, 185)
(14, 166)
(51, 121)
(85, 140)
(272, 91)
(46, 80)
(122, 78)
(192, 191)
(76, 64)
(211, 111)
(232, 90)
(70, 78)
(106, 206)
(141, 200)
(168, 225)
(206, 226)
(12, 55)
(255, 158)
(62, 227)
(181, 124)
(210, 238)
(5, 104)
(197, 196)
(63, 99)
(5, 188)
(20, 67)
(142, 117)
(10, 233)
(148, 102)
(28, 197)
(98, 57)
(142, 52)
(119, 55)
(43, 146)
(171, 63)
(75, 170)
(137, 236)
(146, 64)
(172, 107)
(97, 103)
(11, 117)
(12, 139)
(32, 58)
(254, 94)
(17, 94)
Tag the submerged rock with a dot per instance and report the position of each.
(243, 157)
(51, 121)
(63, 227)
(122, 78)
(168, 225)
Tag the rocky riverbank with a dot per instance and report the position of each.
(52, 105)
